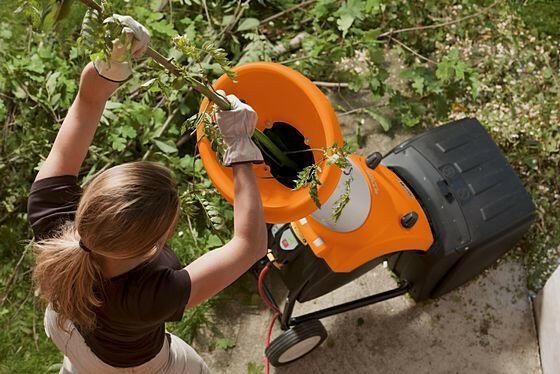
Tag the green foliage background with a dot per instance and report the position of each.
(501, 66)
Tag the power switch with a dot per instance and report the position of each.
(373, 160)
(409, 219)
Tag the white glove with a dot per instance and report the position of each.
(237, 126)
(117, 69)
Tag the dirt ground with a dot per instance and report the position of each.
(486, 326)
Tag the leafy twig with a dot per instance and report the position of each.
(309, 177)
(342, 201)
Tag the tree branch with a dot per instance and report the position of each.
(12, 277)
(330, 84)
(412, 51)
(207, 14)
(160, 132)
(280, 14)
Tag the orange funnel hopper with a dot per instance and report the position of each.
(279, 94)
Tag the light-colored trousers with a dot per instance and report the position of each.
(175, 356)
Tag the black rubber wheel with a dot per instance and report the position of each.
(296, 342)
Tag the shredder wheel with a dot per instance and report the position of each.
(296, 342)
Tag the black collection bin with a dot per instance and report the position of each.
(477, 206)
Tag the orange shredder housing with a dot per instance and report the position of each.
(381, 233)
(278, 94)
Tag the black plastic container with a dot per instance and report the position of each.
(477, 206)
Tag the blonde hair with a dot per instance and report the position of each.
(128, 211)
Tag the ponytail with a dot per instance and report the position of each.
(68, 277)
(127, 212)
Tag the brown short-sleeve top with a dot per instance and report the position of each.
(131, 322)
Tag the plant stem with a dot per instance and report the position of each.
(276, 152)
(221, 102)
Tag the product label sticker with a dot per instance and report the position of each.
(288, 240)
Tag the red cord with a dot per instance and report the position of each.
(267, 340)
(276, 313)
(260, 288)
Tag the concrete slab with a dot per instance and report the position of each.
(484, 327)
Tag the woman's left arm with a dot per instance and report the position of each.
(97, 83)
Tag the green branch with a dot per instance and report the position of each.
(259, 137)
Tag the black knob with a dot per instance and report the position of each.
(373, 160)
(409, 219)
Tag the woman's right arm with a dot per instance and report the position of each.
(217, 269)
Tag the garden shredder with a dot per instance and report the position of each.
(438, 208)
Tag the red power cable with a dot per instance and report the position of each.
(275, 315)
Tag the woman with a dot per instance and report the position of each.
(102, 265)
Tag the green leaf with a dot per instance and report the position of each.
(148, 83)
(5, 32)
(372, 35)
(410, 120)
(35, 64)
(50, 84)
(2, 113)
(383, 121)
(373, 6)
(227, 19)
(348, 13)
(344, 22)
(248, 24)
(118, 143)
(54, 368)
(460, 69)
(475, 85)
(163, 27)
(224, 343)
(213, 242)
(254, 368)
(418, 85)
(165, 147)
(128, 131)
